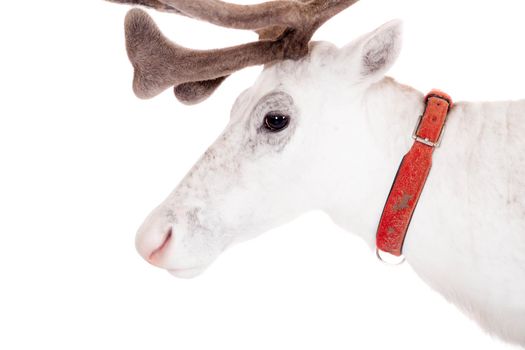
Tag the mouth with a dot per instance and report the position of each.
(159, 250)
(187, 272)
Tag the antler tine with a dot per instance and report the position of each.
(154, 4)
(326, 9)
(288, 13)
(284, 12)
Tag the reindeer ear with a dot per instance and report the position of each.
(380, 49)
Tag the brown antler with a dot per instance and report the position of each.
(284, 27)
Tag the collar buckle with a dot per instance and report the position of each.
(427, 141)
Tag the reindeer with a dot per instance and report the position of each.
(324, 128)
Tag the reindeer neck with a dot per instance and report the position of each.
(390, 111)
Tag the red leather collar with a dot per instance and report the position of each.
(412, 175)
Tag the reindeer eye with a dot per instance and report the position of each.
(275, 121)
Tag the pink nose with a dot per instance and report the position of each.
(153, 239)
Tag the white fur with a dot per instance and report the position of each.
(349, 128)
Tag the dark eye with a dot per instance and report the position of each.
(275, 121)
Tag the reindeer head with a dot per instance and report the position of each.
(269, 165)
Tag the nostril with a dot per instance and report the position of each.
(165, 241)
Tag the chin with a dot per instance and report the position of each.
(187, 273)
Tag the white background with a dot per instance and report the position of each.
(83, 162)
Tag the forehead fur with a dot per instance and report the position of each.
(290, 76)
(320, 57)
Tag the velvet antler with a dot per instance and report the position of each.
(284, 27)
